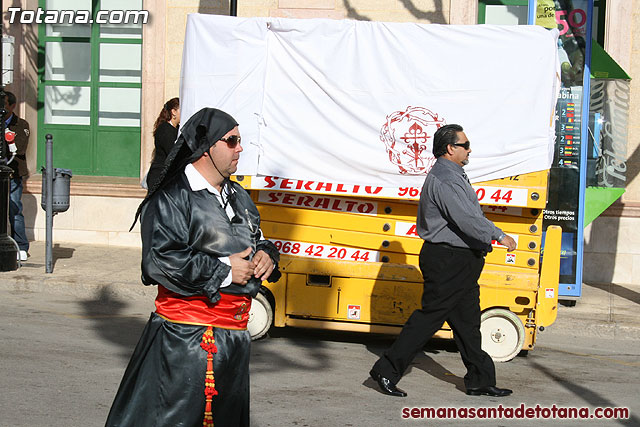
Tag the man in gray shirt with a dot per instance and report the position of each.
(457, 236)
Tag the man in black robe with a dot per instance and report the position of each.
(202, 246)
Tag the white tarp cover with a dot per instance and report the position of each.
(358, 102)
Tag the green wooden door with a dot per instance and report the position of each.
(89, 91)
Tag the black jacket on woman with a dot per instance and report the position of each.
(164, 139)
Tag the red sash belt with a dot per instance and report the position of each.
(230, 312)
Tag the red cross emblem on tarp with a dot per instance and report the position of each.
(406, 135)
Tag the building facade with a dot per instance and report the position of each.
(99, 88)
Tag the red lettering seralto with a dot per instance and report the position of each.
(365, 208)
(270, 180)
(288, 199)
(350, 204)
(273, 197)
(304, 201)
(370, 190)
(322, 202)
(324, 186)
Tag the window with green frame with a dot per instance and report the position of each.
(89, 91)
(505, 12)
(514, 12)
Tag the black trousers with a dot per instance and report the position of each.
(451, 293)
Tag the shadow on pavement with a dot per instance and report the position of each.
(436, 370)
(422, 361)
(59, 252)
(266, 353)
(591, 397)
(106, 314)
(618, 290)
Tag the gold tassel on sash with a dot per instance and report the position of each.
(208, 345)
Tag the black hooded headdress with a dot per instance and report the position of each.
(201, 131)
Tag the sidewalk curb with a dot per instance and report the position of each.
(608, 330)
(81, 290)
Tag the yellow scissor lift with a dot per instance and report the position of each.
(350, 263)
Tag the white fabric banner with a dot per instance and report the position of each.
(358, 102)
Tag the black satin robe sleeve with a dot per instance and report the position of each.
(270, 249)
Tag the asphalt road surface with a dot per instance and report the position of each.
(62, 358)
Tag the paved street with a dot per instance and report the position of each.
(63, 357)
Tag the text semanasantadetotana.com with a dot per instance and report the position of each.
(42, 16)
(518, 412)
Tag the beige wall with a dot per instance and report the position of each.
(632, 22)
(623, 16)
(153, 79)
(100, 220)
(611, 251)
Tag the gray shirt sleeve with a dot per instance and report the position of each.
(459, 205)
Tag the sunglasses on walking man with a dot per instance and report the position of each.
(465, 145)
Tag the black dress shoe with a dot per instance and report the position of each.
(489, 391)
(386, 385)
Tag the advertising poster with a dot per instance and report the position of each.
(572, 20)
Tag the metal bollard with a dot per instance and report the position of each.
(55, 197)
(49, 204)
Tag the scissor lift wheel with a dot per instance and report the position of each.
(502, 334)
(260, 317)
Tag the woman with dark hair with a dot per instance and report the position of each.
(165, 133)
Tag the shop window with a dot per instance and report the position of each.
(119, 107)
(504, 14)
(121, 63)
(58, 56)
(68, 30)
(122, 30)
(67, 105)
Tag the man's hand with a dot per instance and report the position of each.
(509, 243)
(263, 265)
(241, 269)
